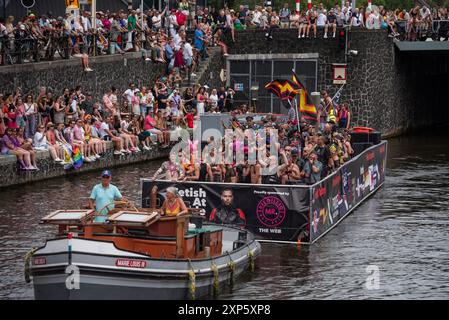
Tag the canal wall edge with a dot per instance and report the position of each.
(10, 175)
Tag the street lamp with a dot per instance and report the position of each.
(254, 95)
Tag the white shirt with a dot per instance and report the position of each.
(177, 40)
(173, 21)
(29, 108)
(129, 94)
(256, 17)
(214, 99)
(156, 21)
(149, 98)
(425, 12)
(321, 21)
(187, 52)
(37, 142)
(357, 22)
(102, 131)
(86, 23)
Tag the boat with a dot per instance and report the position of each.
(137, 254)
(290, 213)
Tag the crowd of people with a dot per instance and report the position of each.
(293, 153)
(307, 21)
(162, 33)
(134, 120)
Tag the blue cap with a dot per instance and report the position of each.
(106, 173)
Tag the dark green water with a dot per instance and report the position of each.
(402, 230)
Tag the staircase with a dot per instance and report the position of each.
(202, 69)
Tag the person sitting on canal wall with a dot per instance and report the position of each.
(173, 204)
(103, 196)
(7, 147)
(40, 143)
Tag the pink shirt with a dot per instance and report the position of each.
(78, 133)
(148, 125)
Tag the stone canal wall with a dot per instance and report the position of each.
(11, 175)
(115, 70)
(387, 89)
(374, 86)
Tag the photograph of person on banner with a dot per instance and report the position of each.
(226, 212)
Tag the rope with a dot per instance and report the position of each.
(251, 260)
(192, 285)
(216, 283)
(27, 270)
(231, 266)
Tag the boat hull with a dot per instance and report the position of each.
(91, 271)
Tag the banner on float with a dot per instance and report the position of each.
(270, 212)
(334, 197)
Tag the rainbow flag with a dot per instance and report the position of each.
(68, 161)
(77, 158)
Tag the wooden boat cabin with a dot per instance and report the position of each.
(143, 231)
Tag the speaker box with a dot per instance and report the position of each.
(359, 147)
(360, 137)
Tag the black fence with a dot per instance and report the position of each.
(58, 45)
(436, 30)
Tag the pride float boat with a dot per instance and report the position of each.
(289, 213)
(137, 254)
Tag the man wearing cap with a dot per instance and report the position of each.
(103, 195)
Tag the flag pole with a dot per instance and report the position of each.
(335, 95)
(297, 113)
(296, 104)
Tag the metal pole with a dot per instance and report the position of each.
(297, 113)
(346, 42)
(141, 22)
(94, 25)
(141, 13)
(94, 14)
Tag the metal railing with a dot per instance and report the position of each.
(58, 45)
(436, 30)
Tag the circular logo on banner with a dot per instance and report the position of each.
(270, 211)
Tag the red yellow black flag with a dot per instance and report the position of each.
(306, 107)
(284, 89)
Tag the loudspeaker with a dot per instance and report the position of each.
(359, 147)
(364, 137)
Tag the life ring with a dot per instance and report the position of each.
(362, 129)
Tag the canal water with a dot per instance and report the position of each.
(400, 235)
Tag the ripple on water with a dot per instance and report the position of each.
(401, 230)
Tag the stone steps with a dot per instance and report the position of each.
(202, 68)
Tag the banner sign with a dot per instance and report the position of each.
(338, 194)
(72, 4)
(269, 212)
(282, 212)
